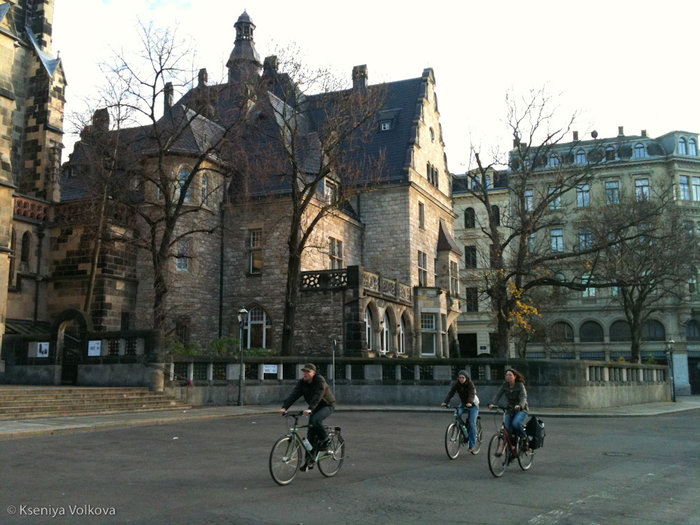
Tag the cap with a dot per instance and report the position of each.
(309, 366)
(463, 373)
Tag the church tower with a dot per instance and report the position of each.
(244, 61)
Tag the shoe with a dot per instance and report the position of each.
(307, 466)
(472, 450)
(324, 445)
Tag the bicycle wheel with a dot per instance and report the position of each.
(453, 438)
(330, 462)
(479, 435)
(498, 454)
(525, 456)
(285, 458)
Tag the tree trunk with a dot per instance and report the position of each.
(290, 301)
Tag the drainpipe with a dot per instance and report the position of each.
(221, 272)
(40, 236)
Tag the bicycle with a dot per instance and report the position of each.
(504, 447)
(288, 451)
(456, 434)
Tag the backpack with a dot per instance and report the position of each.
(535, 430)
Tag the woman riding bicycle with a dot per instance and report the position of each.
(516, 396)
(464, 387)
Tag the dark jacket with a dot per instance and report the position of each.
(316, 393)
(466, 392)
(515, 396)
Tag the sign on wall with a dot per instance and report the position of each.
(95, 348)
(269, 369)
(42, 349)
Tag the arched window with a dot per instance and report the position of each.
(256, 330)
(205, 188)
(25, 252)
(692, 330)
(469, 218)
(682, 146)
(402, 338)
(554, 161)
(13, 256)
(639, 151)
(386, 335)
(182, 177)
(620, 331)
(610, 153)
(580, 157)
(653, 330)
(369, 331)
(591, 332)
(692, 147)
(562, 332)
(182, 330)
(496, 213)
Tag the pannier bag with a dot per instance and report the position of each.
(535, 430)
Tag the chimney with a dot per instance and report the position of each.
(644, 133)
(203, 78)
(168, 97)
(270, 65)
(359, 78)
(575, 136)
(100, 120)
(620, 131)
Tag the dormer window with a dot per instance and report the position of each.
(553, 161)
(580, 157)
(682, 146)
(692, 147)
(639, 151)
(385, 125)
(609, 153)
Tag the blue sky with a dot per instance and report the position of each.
(618, 63)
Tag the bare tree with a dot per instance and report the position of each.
(318, 151)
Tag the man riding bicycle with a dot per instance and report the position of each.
(316, 392)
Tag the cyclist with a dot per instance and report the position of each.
(321, 402)
(516, 395)
(464, 387)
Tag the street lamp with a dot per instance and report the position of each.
(669, 360)
(242, 316)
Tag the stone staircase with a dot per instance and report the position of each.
(24, 402)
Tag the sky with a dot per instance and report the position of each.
(612, 62)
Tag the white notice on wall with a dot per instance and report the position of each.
(94, 348)
(270, 369)
(42, 349)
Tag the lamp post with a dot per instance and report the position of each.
(242, 316)
(669, 360)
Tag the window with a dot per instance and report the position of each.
(428, 333)
(554, 195)
(562, 332)
(642, 190)
(692, 147)
(256, 329)
(183, 180)
(609, 153)
(421, 215)
(369, 330)
(589, 291)
(639, 151)
(432, 135)
(422, 269)
(653, 330)
(580, 157)
(556, 238)
(529, 200)
(25, 250)
(472, 299)
(182, 330)
(682, 146)
(531, 243)
(182, 259)
(620, 331)
(330, 191)
(612, 192)
(205, 188)
(583, 196)
(335, 250)
(553, 161)
(585, 238)
(255, 261)
(591, 332)
(386, 335)
(454, 279)
(692, 330)
(385, 125)
(469, 218)
(684, 187)
(432, 174)
(470, 257)
(696, 188)
(496, 214)
(401, 338)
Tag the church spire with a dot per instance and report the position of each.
(244, 60)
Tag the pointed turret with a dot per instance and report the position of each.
(244, 60)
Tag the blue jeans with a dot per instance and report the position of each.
(473, 413)
(316, 433)
(514, 422)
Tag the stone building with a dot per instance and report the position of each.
(590, 323)
(379, 274)
(32, 89)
